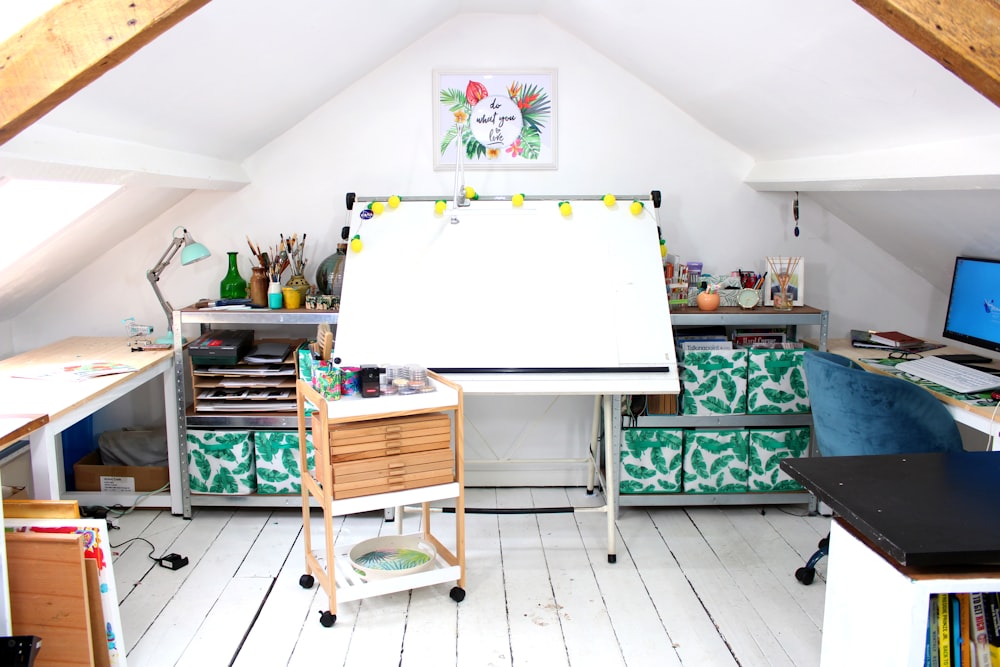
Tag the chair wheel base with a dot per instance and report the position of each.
(805, 575)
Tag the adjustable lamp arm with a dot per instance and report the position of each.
(153, 276)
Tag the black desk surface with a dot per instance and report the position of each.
(920, 509)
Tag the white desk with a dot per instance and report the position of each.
(67, 402)
(604, 387)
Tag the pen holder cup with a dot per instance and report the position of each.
(292, 297)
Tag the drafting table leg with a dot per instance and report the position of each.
(46, 463)
(609, 474)
(595, 435)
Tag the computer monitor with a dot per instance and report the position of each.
(974, 304)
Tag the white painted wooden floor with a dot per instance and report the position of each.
(691, 586)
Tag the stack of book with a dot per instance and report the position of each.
(890, 340)
(963, 629)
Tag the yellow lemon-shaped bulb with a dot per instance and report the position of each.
(470, 192)
(636, 207)
(517, 200)
(377, 207)
(663, 248)
(565, 208)
(609, 200)
(440, 206)
(356, 244)
(394, 201)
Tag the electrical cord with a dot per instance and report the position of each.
(120, 510)
(170, 561)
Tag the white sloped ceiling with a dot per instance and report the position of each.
(821, 96)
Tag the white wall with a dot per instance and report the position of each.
(615, 135)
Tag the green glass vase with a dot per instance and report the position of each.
(233, 286)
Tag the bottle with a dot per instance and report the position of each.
(258, 286)
(233, 286)
(330, 274)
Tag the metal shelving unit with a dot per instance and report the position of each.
(687, 316)
(206, 318)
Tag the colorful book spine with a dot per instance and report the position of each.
(931, 658)
(957, 652)
(980, 639)
(963, 625)
(944, 631)
(991, 602)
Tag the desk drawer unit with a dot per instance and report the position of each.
(391, 454)
(388, 437)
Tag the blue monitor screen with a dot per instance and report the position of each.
(974, 305)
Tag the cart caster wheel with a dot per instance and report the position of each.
(306, 581)
(612, 558)
(457, 593)
(326, 619)
(805, 575)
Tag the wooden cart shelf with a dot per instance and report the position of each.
(337, 428)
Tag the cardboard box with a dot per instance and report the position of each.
(92, 475)
(661, 404)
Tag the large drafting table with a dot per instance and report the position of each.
(509, 300)
(979, 415)
(68, 401)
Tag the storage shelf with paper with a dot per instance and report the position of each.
(650, 478)
(262, 412)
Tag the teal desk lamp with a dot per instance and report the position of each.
(192, 252)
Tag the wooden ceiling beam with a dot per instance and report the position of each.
(962, 35)
(70, 46)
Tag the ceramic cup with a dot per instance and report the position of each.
(293, 297)
(708, 301)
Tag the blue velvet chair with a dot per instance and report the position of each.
(856, 412)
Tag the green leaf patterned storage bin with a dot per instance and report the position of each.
(651, 460)
(776, 383)
(221, 462)
(715, 461)
(767, 448)
(715, 382)
(276, 455)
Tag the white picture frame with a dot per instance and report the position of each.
(534, 145)
(796, 285)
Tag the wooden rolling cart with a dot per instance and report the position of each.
(376, 453)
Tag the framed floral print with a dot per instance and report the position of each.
(497, 119)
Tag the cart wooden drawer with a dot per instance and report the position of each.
(389, 437)
(392, 473)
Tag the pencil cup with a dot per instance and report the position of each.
(274, 295)
(292, 297)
